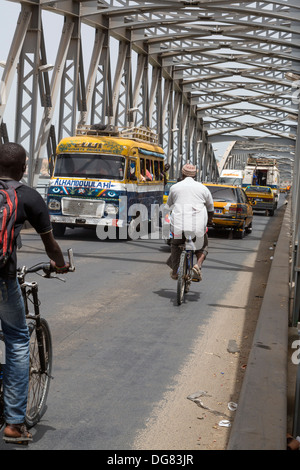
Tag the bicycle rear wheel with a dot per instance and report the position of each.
(188, 276)
(39, 382)
(181, 278)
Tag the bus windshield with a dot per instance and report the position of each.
(90, 166)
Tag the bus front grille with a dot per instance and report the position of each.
(82, 207)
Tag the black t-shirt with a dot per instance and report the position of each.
(31, 208)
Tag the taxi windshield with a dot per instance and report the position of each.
(90, 166)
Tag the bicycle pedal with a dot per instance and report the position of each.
(195, 280)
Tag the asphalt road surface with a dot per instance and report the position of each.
(119, 337)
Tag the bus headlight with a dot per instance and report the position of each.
(110, 209)
(54, 205)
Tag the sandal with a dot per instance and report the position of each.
(293, 444)
(17, 433)
(174, 276)
(197, 274)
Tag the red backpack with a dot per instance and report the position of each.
(8, 215)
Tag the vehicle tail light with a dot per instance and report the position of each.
(236, 210)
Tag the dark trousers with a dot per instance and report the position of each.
(174, 258)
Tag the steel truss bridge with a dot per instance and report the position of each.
(201, 73)
(198, 72)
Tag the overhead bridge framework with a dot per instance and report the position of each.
(201, 73)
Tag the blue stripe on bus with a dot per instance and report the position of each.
(150, 153)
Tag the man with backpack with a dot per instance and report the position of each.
(25, 204)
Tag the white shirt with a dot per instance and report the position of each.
(189, 201)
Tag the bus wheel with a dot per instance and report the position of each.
(58, 229)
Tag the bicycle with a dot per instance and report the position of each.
(185, 275)
(40, 345)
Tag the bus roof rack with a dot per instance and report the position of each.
(265, 161)
(140, 134)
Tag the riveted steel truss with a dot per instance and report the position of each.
(198, 72)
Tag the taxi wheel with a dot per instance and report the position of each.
(241, 232)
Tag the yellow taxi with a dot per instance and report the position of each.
(232, 208)
(262, 198)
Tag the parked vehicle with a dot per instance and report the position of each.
(232, 208)
(262, 198)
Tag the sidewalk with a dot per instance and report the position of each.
(261, 421)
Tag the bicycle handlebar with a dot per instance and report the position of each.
(47, 268)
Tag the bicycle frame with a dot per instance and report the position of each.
(40, 344)
(30, 291)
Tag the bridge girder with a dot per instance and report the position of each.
(197, 72)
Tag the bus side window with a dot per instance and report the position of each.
(161, 171)
(142, 169)
(145, 170)
(149, 170)
(156, 170)
(131, 175)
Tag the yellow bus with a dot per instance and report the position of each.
(105, 177)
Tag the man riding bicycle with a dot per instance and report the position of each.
(192, 209)
(31, 207)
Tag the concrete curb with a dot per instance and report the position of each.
(261, 418)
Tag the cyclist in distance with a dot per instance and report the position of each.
(32, 208)
(192, 209)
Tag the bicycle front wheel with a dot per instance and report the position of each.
(181, 278)
(39, 381)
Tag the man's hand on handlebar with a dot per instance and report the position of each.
(69, 266)
(59, 269)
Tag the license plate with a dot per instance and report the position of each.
(259, 200)
(218, 211)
